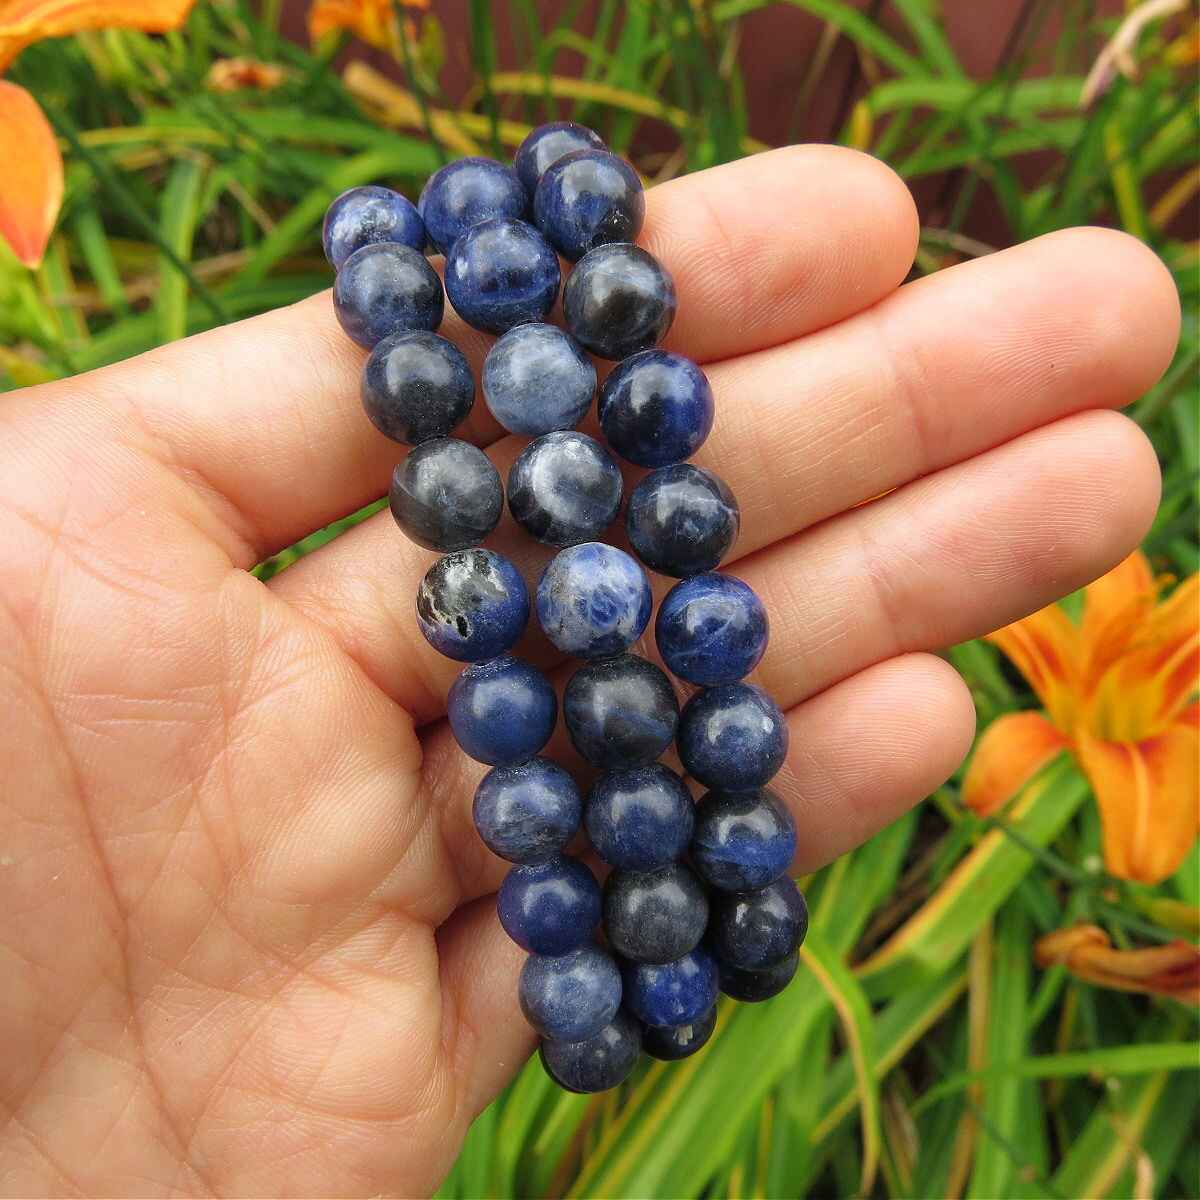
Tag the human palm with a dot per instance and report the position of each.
(245, 930)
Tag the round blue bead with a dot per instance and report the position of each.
(500, 274)
(589, 198)
(756, 930)
(673, 1042)
(742, 840)
(473, 605)
(597, 1063)
(417, 386)
(463, 193)
(620, 712)
(549, 908)
(654, 916)
(527, 812)
(386, 288)
(656, 408)
(446, 495)
(673, 993)
(502, 711)
(711, 629)
(570, 996)
(366, 215)
(537, 379)
(732, 736)
(593, 600)
(546, 144)
(682, 520)
(753, 986)
(640, 819)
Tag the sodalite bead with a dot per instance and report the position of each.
(589, 198)
(570, 996)
(670, 1043)
(756, 930)
(656, 408)
(446, 495)
(537, 379)
(593, 600)
(366, 215)
(620, 712)
(597, 1063)
(417, 386)
(473, 605)
(546, 144)
(732, 737)
(386, 288)
(742, 840)
(564, 488)
(502, 711)
(463, 193)
(753, 986)
(549, 908)
(654, 916)
(501, 273)
(527, 812)
(682, 520)
(674, 993)
(711, 629)
(619, 300)
(640, 819)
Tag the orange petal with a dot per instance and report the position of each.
(1111, 594)
(1045, 648)
(370, 20)
(1009, 753)
(31, 184)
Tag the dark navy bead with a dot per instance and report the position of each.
(682, 520)
(527, 812)
(549, 908)
(597, 1063)
(673, 1042)
(619, 300)
(570, 996)
(711, 629)
(753, 986)
(589, 198)
(502, 711)
(732, 736)
(417, 386)
(620, 712)
(674, 993)
(387, 288)
(546, 144)
(564, 488)
(501, 273)
(366, 215)
(743, 840)
(537, 379)
(593, 600)
(466, 192)
(756, 930)
(641, 819)
(446, 495)
(473, 605)
(656, 408)
(654, 916)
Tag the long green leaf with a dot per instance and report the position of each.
(179, 213)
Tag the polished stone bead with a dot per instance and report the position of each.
(387, 288)
(742, 840)
(564, 488)
(551, 907)
(619, 300)
(670, 1043)
(546, 144)
(656, 408)
(466, 192)
(654, 916)
(682, 520)
(753, 986)
(570, 996)
(711, 629)
(446, 495)
(674, 993)
(501, 273)
(597, 1063)
(639, 819)
(527, 812)
(502, 711)
(593, 600)
(366, 215)
(472, 605)
(589, 198)
(417, 386)
(732, 736)
(537, 379)
(756, 930)
(620, 712)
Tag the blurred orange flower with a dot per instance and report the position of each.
(1118, 691)
(1171, 970)
(240, 74)
(372, 20)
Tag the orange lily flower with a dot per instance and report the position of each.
(372, 20)
(1118, 693)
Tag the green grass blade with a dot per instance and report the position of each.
(926, 28)
(179, 213)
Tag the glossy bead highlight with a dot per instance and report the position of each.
(586, 199)
(711, 629)
(570, 996)
(546, 144)
(564, 488)
(527, 812)
(417, 386)
(597, 1063)
(363, 216)
(446, 495)
(756, 930)
(640, 819)
(387, 288)
(732, 737)
(551, 907)
(674, 993)
(742, 840)
(682, 520)
(654, 916)
(464, 193)
(537, 379)
(502, 711)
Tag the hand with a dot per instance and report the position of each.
(246, 932)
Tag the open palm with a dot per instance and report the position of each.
(245, 933)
